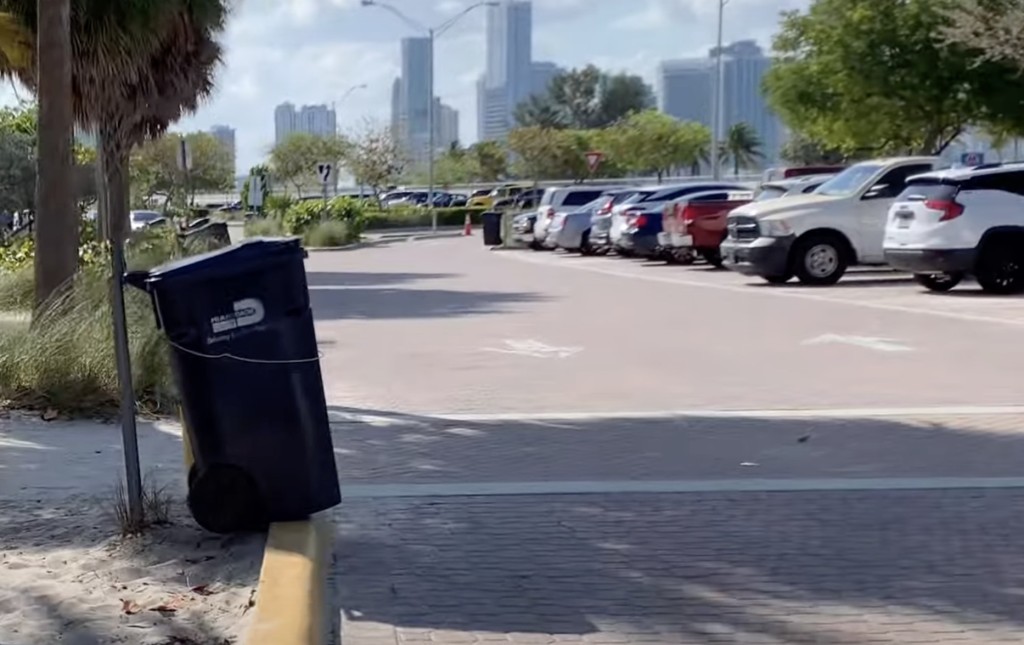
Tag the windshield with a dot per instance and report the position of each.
(145, 216)
(849, 181)
(640, 195)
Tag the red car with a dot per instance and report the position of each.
(695, 225)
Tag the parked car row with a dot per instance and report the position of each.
(911, 213)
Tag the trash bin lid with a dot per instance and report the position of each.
(227, 260)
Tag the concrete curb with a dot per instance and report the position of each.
(292, 600)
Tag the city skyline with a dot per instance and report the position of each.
(313, 51)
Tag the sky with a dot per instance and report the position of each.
(314, 51)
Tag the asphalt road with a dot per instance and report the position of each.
(539, 448)
(445, 326)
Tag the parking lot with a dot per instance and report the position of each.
(541, 447)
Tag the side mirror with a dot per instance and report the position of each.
(878, 191)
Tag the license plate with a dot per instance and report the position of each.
(902, 223)
(903, 219)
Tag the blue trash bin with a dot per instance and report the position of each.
(245, 358)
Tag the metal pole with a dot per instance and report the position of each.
(717, 100)
(129, 434)
(430, 138)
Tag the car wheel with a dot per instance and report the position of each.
(683, 256)
(712, 257)
(536, 246)
(585, 247)
(1001, 268)
(820, 260)
(938, 281)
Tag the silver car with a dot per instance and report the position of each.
(575, 232)
(555, 203)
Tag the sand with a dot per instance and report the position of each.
(66, 576)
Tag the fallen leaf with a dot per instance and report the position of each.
(130, 607)
(50, 414)
(203, 590)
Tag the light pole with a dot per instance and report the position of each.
(718, 99)
(432, 34)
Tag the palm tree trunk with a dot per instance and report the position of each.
(113, 162)
(57, 218)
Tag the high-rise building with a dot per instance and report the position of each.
(687, 89)
(446, 123)
(225, 135)
(415, 92)
(508, 78)
(541, 75)
(318, 120)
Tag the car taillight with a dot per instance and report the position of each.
(950, 208)
(639, 221)
(550, 214)
(689, 214)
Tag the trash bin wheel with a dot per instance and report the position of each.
(192, 472)
(225, 499)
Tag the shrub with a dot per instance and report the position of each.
(65, 360)
(264, 227)
(330, 233)
(277, 205)
(420, 217)
(304, 215)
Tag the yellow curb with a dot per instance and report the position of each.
(291, 599)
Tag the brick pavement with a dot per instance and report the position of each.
(754, 568)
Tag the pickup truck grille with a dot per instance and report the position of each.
(743, 228)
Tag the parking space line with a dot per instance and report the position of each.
(495, 489)
(780, 292)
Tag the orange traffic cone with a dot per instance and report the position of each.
(468, 229)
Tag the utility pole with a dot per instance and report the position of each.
(718, 98)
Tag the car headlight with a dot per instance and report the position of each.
(775, 228)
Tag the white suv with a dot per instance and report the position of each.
(946, 225)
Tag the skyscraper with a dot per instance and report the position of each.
(687, 87)
(415, 92)
(541, 75)
(226, 137)
(318, 120)
(508, 79)
(446, 122)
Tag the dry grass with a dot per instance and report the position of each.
(329, 233)
(157, 505)
(65, 360)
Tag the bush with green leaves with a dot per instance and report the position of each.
(330, 233)
(304, 215)
(393, 218)
(263, 227)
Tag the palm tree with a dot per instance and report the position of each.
(742, 146)
(136, 67)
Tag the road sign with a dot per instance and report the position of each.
(324, 170)
(972, 158)
(257, 190)
(594, 159)
(184, 155)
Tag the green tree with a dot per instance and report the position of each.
(17, 160)
(490, 160)
(871, 76)
(991, 29)
(155, 169)
(542, 153)
(454, 167)
(584, 99)
(742, 147)
(651, 142)
(801, 150)
(375, 158)
(295, 159)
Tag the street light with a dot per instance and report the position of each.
(718, 99)
(432, 33)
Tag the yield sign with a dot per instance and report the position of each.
(594, 159)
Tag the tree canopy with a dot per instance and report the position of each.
(872, 76)
(295, 159)
(155, 170)
(584, 99)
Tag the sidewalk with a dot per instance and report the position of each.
(68, 577)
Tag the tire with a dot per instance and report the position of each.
(938, 282)
(712, 257)
(535, 245)
(585, 247)
(820, 259)
(1001, 268)
(683, 257)
(226, 499)
(777, 279)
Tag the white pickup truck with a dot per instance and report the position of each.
(817, 236)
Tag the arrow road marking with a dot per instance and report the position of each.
(534, 349)
(867, 342)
